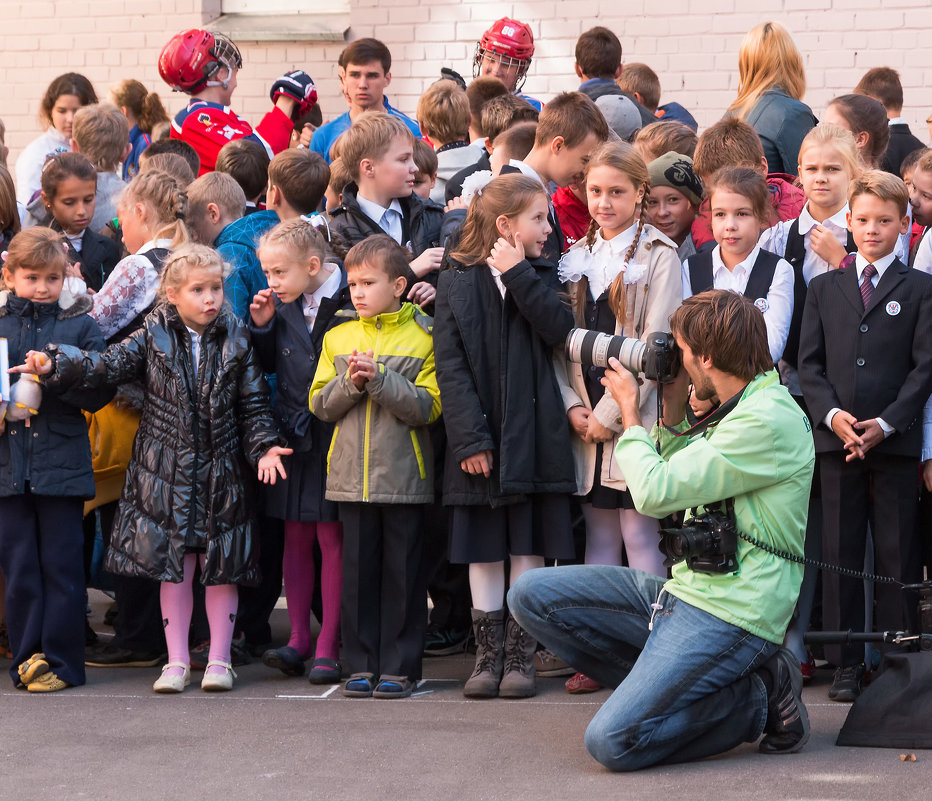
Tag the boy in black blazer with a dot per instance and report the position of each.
(865, 367)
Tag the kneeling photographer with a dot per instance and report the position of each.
(696, 661)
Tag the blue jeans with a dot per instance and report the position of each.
(684, 691)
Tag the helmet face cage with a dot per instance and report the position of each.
(227, 55)
(483, 53)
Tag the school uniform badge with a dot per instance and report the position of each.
(762, 304)
(893, 308)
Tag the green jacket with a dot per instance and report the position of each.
(761, 454)
(381, 450)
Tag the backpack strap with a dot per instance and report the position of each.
(761, 277)
(699, 266)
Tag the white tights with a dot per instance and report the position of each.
(487, 580)
(607, 530)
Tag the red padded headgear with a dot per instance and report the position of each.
(192, 58)
(510, 38)
(511, 42)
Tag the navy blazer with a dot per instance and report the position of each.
(873, 362)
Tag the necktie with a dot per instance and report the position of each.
(867, 287)
(310, 314)
(388, 224)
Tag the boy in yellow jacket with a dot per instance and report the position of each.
(375, 380)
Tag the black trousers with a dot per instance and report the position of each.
(447, 584)
(41, 545)
(384, 605)
(257, 603)
(847, 491)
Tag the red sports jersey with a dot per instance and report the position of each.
(207, 127)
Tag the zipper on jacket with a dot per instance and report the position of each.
(365, 442)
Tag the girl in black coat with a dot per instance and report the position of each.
(287, 322)
(45, 470)
(205, 414)
(509, 468)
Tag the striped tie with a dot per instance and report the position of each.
(867, 287)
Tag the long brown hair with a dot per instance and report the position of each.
(507, 195)
(146, 106)
(626, 159)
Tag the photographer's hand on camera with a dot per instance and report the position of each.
(622, 384)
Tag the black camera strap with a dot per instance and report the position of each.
(801, 560)
(713, 418)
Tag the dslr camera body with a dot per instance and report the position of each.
(658, 358)
(708, 543)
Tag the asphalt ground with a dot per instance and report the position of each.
(281, 738)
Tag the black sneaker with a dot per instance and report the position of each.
(443, 642)
(111, 655)
(846, 685)
(239, 656)
(787, 728)
(90, 636)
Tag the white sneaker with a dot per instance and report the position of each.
(218, 682)
(173, 684)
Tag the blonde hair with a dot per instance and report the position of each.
(298, 237)
(164, 196)
(171, 163)
(880, 184)
(507, 195)
(216, 187)
(768, 59)
(36, 248)
(626, 159)
(840, 140)
(189, 257)
(102, 134)
(443, 112)
(369, 137)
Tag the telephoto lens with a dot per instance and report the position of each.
(595, 348)
(658, 358)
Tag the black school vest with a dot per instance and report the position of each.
(759, 281)
(796, 254)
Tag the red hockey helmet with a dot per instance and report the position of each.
(191, 59)
(508, 42)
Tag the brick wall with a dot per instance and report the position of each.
(692, 44)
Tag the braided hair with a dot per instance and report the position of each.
(626, 159)
(167, 199)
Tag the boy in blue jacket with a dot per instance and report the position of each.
(45, 472)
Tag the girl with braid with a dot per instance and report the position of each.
(151, 213)
(624, 278)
